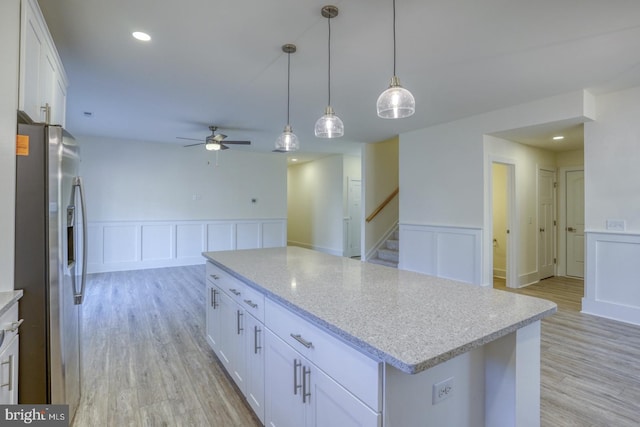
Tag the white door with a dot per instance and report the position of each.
(546, 224)
(355, 218)
(575, 223)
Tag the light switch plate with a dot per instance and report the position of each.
(616, 224)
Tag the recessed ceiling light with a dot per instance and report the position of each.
(294, 160)
(141, 36)
(558, 138)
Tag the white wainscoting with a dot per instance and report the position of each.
(134, 245)
(449, 252)
(612, 276)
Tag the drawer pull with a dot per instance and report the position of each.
(301, 340)
(251, 303)
(306, 371)
(256, 347)
(239, 329)
(214, 277)
(296, 365)
(234, 291)
(15, 325)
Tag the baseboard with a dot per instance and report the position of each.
(143, 265)
(612, 311)
(329, 251)
(528, 279)
(500, 273)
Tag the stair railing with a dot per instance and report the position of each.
(383, 204)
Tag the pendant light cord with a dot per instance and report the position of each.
(394, 37)
(329, 69)
(288, 83)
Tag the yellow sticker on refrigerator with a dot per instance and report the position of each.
(22, 145)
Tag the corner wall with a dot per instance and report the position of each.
(612, 192)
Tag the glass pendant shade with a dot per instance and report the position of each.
(287, 141)
(396, 102)
(329, 125)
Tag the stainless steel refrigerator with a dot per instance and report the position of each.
(50, 267)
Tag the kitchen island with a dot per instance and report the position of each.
(400, 348)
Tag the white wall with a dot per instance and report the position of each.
(315, 205)
(9, 51)
(380, 178)
(132, 180)
(612, 192)
(154, 205)
(444, 170)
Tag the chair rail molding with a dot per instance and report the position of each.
(135, 245)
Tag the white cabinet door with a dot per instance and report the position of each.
(32, 47)
(213, 316)
(254, 350)
(226, 348)
(283, 384)
(9, 373)
(332, 405)
(237, 346)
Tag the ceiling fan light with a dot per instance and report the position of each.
(329, 125)
(287, 141)
(396, 102)
(212, 146)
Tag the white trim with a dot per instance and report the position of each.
(561, 267)
(611, 276)
(443, 251)
(136, 245)
(370, 254)
(315, 248)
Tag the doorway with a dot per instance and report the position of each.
(503, 199)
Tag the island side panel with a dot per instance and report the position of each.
(512, 386)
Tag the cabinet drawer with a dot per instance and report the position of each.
(252, 301)
(357, 372)
(8, 321)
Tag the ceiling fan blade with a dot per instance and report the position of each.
(189, 139)
(238, 142)
(192, 145)
(223, 147)
(219, 137)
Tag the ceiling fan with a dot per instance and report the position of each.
(214, 141)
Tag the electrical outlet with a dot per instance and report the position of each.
(615, 224)
(442, 390)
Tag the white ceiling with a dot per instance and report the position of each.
(220, 62)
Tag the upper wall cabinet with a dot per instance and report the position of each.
(43, 82)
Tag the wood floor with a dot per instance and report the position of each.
(146, 361)
(590, 366)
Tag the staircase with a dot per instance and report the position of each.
(387, 254)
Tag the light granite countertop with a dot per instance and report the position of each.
(409, 320)
(8, 298)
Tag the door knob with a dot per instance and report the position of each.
(571, 229)
(542, 230)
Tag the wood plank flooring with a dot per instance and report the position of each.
(590, 366)
(146, 361)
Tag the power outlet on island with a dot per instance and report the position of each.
(442, 390)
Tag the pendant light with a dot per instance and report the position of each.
(288, 141)
(329, 125)
(396, 102)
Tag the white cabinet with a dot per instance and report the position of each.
(43, 82)
(298, 393)
(236, 334)
(9, 341)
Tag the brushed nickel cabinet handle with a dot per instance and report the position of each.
(9, 383)
(306, 371)
(301, 340)
(214, 300)
(239, 329)
(296, 365)
(256, 347)
(214, 276)
(234, 291)
(251, 303)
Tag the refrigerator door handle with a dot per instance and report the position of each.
(78, 297)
